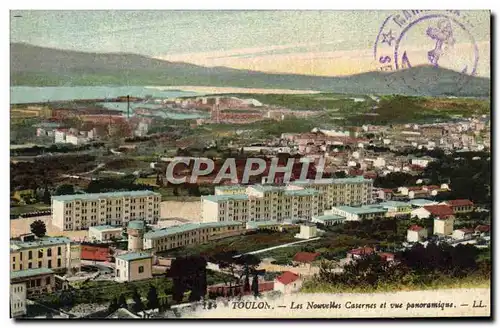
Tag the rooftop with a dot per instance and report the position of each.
(441, 211)
(97, 196)
(29, 273)
(422, 202)
(136, 224)
(329, 217)
(105, 227)
(256, 224)
(287, 277)
(168, 231)
(459, 202)
(305, 257)
(366, 209)
(358, 179)
(42, 242)
(394, 203)
(218, 198)
(134, 256)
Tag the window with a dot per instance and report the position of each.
(30, 255)
(59, 250)
(21, 256)
(38, 282)
(39, 264)
(20, 266)
(141, 269)
(49, 252)
(47, 281)
(13, 266)
(49, 264)
(58, 262)
(40, 253)
(29, 265)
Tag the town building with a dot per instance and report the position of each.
(443, 225)
(351, 213)
(57, 253)
(133, 266)
(416, 234)
(288, 282)
(37, 281)
(92, 252)
(307, 231)
(262, 203)
(105, 233)
(460, 205)
(337, 192)
(425, 212)
(358, 253)
(18, 295)
(190, 234)
(304, 259)
(328, 219)
(420, 202)
(482, 230)
(396, 208)
(81, 211)
(463, 234)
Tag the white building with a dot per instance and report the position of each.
(133, 266)
(105, 233)
(17, 299)
(81, 211)
(76, 139)
(416, 233)
(422, 161)
(328, 219)
(443, 226)
(358, 213)
(307, 231)
(288, 282)
(59, 136)
(463, 234)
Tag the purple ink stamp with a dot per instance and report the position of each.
(427, 43)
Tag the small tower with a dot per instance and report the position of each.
(135, 231)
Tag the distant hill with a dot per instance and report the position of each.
(38, 66)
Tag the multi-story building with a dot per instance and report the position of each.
(81, 211)
(50, 253)
(17, 299)
(133, 266)
(37, 281)
(190, 234)
(338, 192)
(262, 203)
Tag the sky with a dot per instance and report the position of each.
(329, 43)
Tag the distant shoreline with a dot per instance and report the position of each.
(226, 90)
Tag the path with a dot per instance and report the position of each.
(281, 246)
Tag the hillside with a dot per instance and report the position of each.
(38, 66)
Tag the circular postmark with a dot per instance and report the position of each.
(427, 51)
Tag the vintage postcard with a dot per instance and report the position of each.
(283, 164)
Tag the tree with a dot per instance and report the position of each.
(122, 302)
(46, 196)
(38, 228)
(153, 302)
(137, 306)
(113, 306)
(65, 189)
(255, 285)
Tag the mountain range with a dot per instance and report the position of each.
(39, 66)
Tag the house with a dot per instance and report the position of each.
(304, 258)
(133, 266)
(420, 202)
(441, 211)
(396, 208)
(416, 233)
(463, 234)
(307, 231)
(360, 252)
(460, 205)
(482, 230)
(288, 282)
(17, 299)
